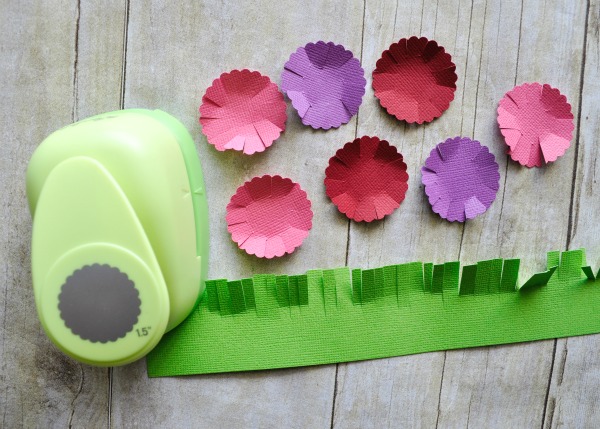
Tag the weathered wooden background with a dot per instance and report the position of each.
(61, 61)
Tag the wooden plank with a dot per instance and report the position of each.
(486, 54)
(573, 394)
(58, 64)
(174, 52)
(507, 386)
(99, 77)
(401, 391)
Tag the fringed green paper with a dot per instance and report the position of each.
(342, 315)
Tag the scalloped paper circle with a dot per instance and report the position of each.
(269, 216)
(537, 123)
(244, 111)
(461, 179)
(415, 80)
(325, 83)
(366, 179)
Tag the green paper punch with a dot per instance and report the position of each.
(120, 233)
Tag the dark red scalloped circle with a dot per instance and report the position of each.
(366, 179)
(415, 80)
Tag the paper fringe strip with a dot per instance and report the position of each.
(536, 122)
(342, 315)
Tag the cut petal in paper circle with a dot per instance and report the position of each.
(536, 122)
(269, 216)
(325, 83)
(461, 179)
(366, 179)
(415, 80)
(244, 111)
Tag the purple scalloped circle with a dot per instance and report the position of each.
(461, 179)
(325, 83)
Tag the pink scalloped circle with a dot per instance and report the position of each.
(537, 123)
(269, 216)
(244, 111)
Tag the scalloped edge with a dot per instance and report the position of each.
(375, 71)
(309, 209)
(137, 316)
(249, 72)
(364, 86)
(342, 149)
(500, 113)
(425, 186)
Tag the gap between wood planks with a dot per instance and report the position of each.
(74, 118)
(462, 235)
(337, 365)
(547, 410)
(74, 115)
(549, 405)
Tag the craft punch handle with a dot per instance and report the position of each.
(119, 237)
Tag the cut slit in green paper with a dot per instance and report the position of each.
(343, 315)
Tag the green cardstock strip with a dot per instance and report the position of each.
(342, 315)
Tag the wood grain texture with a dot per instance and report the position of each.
(573, 391)
(65, 60)
(508, 385)
(59, 62)
(173, 54)
(411, 383)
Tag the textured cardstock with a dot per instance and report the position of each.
(269, 216)
(536, 122)
(242, 111)
(342, 315)
(325, 83)
(366, 179)
(461, 179)
(415, 80)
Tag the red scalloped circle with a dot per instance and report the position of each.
(242, 110)
(366, 179)
(415, 80)
(269, 216)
